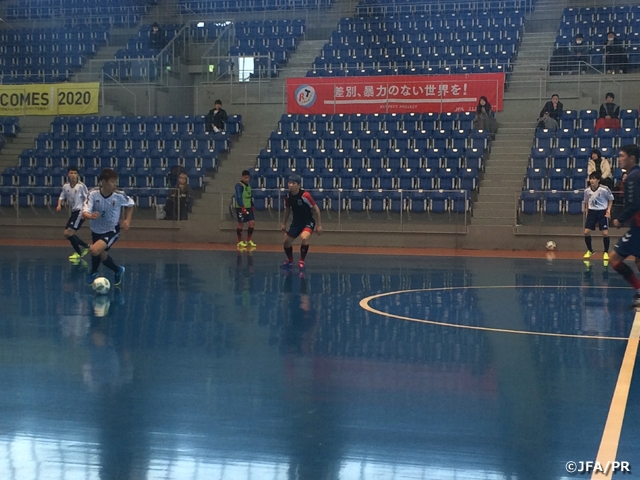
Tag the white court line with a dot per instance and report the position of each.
(613, 428)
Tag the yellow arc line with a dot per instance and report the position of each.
(613, 427)
(364, 304)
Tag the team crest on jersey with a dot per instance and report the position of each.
(299, 202)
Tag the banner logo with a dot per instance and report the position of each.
(305, 96)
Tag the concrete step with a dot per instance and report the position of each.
(493, 169)
(492, 222)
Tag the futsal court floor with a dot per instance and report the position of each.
(210, 365)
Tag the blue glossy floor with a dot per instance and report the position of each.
(217, 365)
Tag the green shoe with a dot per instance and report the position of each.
(73, 257)
(251, 244)
(85, 250)
(588, 254)
(242, 244)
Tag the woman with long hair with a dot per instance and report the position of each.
(484, 119)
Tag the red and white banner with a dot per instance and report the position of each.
(394, 94)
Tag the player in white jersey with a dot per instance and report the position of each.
(598, 201)
(103, 207)
(75, 192)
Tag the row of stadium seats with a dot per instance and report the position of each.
(592, 14)
(216, 6)
(567, 157)
(361, 200)
(368, 178)
(9, 126)
(128, 177)
(185, 124)
(552, 202)
(418, 7)
(585, 137)
(255, 28)
(48, 197)
(576, 119)
(30, 38)
(87, 12)
(426, 22)
(373, 158)
(351, 71)
(560, 178)
(380, 140)
(374, 122)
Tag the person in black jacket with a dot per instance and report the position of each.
(216, 118)
(551, 113)
(156, 37)
(629, 244)
(615, 55)
(609, 114)
(579, 55)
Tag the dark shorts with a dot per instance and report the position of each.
(596, 217)
(295, 229)
(244, 218)
(75, 220)
(109, 238)
(629, 244)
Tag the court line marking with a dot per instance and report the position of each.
(613, 426)
(364, 303)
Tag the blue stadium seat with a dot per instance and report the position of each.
(574, 202)
(553, 202)
(530, 202)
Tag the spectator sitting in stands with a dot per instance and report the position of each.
(156, 37)
(551, 113)
(615, 55)
(484, 119)
(602, 166)
(609, 116)
(179, 202)
(216, 118)
(579, 58)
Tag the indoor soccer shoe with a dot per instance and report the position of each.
(287, 264)
(242, 244)
(588, 254)
(636, 302)
(91, 278)
(85, 250)
(74, 256)
(605, 256)
(301, 264)
(117, 280)
(251, 244)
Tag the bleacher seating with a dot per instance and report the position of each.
(593, 23)
(95, 13)
(47, 54)
(139, 61)
(357, 153)
(186, 7)
(143, 150)
(425, 43)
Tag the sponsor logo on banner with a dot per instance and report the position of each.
(305, 96)
(49, 99)
(393, 94)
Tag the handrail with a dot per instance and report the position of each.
(135, 109)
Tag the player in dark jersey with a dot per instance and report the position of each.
(306, 220)
(629, 244)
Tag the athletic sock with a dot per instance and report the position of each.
(239, 233)
(607, 243)
(74, 243)
(110, 264)
(303, 251)
(95, 264)
(289, 253)
(624, 270)
(249, 233)
(587, 240)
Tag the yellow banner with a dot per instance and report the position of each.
(49, 99)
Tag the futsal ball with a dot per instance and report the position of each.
(101, 286)
(551, 245)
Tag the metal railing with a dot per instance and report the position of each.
(37, 205)
(342, 210)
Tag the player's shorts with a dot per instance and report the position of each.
(75, 220)
(596, 217)
(245, 218)
(629, 244)
(109, 238)
(295, 229)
